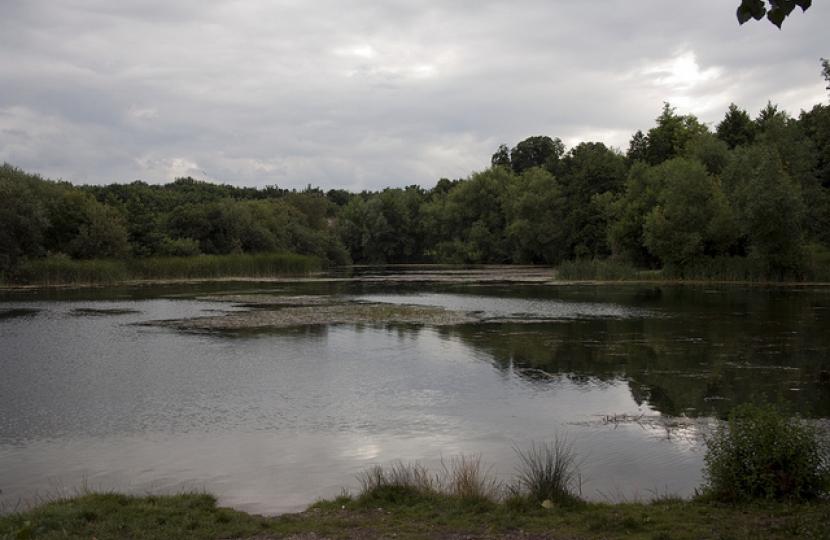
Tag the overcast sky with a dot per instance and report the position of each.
(368, 94)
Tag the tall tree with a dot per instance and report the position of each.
(535, 211)
(736, 128)
(667, 139)
(769, 209)
(691, 216)
(536, 151)
(585, 171)
(501, 157)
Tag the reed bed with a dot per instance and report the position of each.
(261, 265)
(596, 270)
(63, 271)
(56, 271)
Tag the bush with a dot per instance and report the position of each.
(762, 454)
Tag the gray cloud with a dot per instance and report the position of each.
(365, 95)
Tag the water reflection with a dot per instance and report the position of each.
(272, 420)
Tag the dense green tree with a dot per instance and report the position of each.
(667, 139)
(102, 235)
(501, 158)
(770, 117)
(467, 224)
(145, 228)
(83, 228)
(691, 216)
(386, 228)
(736, 128)
(587, 170)
(313, 204)
(710, 150)
(815, 124)
(23, 219)
(538, 151)
(642, 188)
(535, 212)
(338, 198)
(768, 209)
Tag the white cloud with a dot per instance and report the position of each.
(364, 94)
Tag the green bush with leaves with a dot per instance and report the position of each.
(764, 454)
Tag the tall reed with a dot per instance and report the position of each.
(261, 265)
(550, 471)
(590, 270)
(64, 271)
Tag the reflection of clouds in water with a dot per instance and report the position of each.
(443, 347)
(497, 307)
(273, 421)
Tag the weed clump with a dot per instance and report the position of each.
(550, 472)
(400, 484)
(763, 454)
(466, 480)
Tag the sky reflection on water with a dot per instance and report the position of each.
(271, 421)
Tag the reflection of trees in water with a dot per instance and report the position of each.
(694, 363)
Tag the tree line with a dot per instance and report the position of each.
(752, 192)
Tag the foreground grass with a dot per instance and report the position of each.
(197, 516)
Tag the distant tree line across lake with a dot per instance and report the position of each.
(749, 198)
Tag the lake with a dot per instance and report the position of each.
(108, 388)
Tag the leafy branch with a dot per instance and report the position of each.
(780, 10)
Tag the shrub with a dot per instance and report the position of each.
(550, 472)
(762, 454)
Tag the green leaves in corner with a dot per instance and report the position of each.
(780, 10)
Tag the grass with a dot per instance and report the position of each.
(197, 516)
(63, 271)
(114, 515)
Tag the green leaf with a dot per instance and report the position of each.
(751, 9)
(776, 17)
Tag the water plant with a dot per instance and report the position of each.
(761, 453)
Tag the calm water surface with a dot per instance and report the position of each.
(273, 420)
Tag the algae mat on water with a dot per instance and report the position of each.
(265, 311)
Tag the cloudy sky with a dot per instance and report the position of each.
(367, 94)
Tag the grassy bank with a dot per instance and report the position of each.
(62, 271)
(738, 270)
(197, 516)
